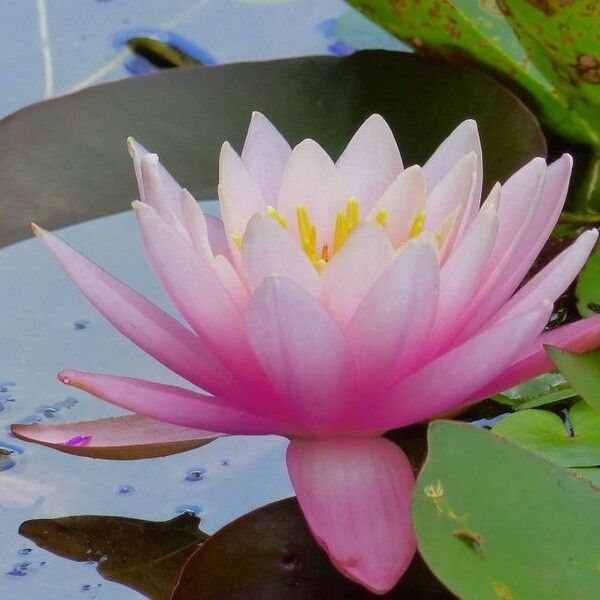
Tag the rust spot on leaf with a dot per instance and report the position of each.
(472, 539)
(502, 591)
(544, 6)
(588, 68)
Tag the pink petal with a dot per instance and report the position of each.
(303, 351)
(349, 275)
(581, 336)
(173, 404)
(265, 154)
(464, 139)
(355, 495)
(142, 322)
(201, 298)
(370, 162)
(268, 249)
(117, 438)
(449, 381)
(239, 194)
(161, 190)
(217, 237)
(462, 272)
(402, 201)
(310, 178)
(553, 279)
(456, 188)
(394, 317)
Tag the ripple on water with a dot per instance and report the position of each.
(195, 474)
(190, 509)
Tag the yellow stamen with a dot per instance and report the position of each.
(341, 230)
(237, 238)
(273, 212)
(325, 253)
(352, 213)
(417, 225)
(381, 217)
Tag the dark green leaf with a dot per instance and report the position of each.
(494, 521)
(64, 160)
(582, 372)
(144, 555)
(270, 554)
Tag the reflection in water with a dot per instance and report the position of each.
(38, 339)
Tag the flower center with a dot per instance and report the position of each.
(345, 221)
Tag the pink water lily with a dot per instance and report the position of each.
(333, 302)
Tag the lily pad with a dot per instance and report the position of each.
(496, 521)
(547, 388)
(270, 554)
(582, 371)
(587, 290)
(64, 160)
(144, 555)
(576, 444)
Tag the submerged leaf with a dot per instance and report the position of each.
(547, 388)
(270, 554)
(144, 555)
(495, 521)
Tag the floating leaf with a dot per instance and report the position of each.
(64, 160)
(117, 438)
(464, 30)
(582, 371)
(496, 521)
(576, 444)
(588, 286)
(544, 389)
(270, 554)
(144, 555)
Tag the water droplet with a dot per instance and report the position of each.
(125, 489)
(81, 324)
(226, 462)
(86, 587)
(190, 509)
(48, 411)
(24, 551)
(196, 474)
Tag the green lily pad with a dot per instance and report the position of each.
(270, 554)
(144, 555)
(544, 432)
(64, 160)
(590, 474)
(494, 521)
(582, 371)
(464, 30)
(544, 389)
(587, 290)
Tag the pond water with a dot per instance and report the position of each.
(45, 326)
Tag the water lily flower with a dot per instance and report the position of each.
(334, 301)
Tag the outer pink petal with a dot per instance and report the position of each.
(370, 162)
(349, 275)
(268, 249)
(394, 317)
(173, 404)
(201, 298)
(355, 495)
(303, 352)
(239, 194)
(217, 237)
(142, 322)
(310, 178)
(553, 279)
(131, 437)
(449, 381)
(402, 201)
(265, 154)
(464, 139)
(580, 336)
